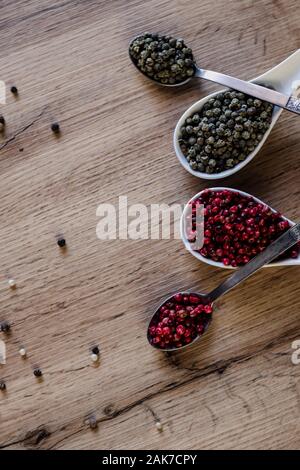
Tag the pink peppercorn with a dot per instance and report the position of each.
(208, 309)
(185, 317)
(237, 228)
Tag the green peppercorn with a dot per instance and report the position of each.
(196, 118)
(229, 163)
(192, 140)
(163, 58)
(224, 132)
(217, 111)
(209, 113)
(246, 135)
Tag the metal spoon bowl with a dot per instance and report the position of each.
(157, 313)
(184, 82)
(279, 246)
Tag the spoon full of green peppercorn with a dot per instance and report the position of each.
(221, 133)
(185, 317)
(169, 62)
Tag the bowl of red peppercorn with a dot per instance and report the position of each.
(179, 321)
(236, 227)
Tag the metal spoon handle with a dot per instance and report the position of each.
(279, 99)
(279, 246)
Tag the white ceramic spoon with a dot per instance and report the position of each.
(285, 78)
(217, 264)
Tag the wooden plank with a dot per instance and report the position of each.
(69, 61)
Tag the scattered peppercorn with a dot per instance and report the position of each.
(61, 242)
(159, 426)
(2, 120)
(224, 132)
(179, 321)
(37, 372)
(14, 90)
(2, 386)
(236, 227)
(22, 352)
(163, 58)
(93, 422)
(55, 128)
(12, 284)
(5, 327)
(96, 350)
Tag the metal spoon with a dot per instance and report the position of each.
(283, 243)
(291, 103)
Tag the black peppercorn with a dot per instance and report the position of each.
(2, 120)
(61, 242)
(2, 385)
(5, 327)
(37, 372)
(55, 128)
(14, 90)
(96, 350)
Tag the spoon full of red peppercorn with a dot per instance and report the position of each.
(169, 62)
(237, 226)
(184, 317)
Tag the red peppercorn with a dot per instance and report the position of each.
(208, 309)
(194, 299)
(178, 297)
(180, 330)
(294, 253)
(166, 331)
(152, 330)
(181, 324)
(233, 222)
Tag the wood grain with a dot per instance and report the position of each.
(237, 388)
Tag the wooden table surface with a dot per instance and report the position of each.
(235, 389)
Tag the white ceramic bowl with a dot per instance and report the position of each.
(196, 107)
(282, 78)
(285, 262)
